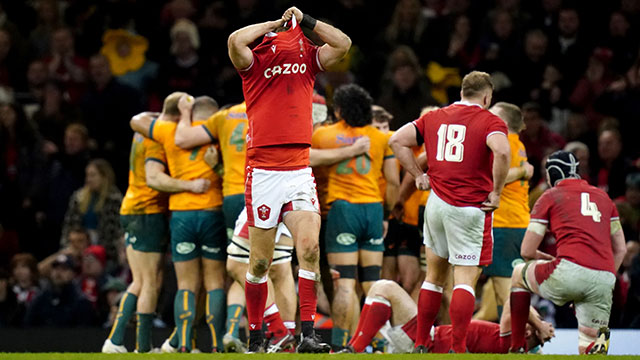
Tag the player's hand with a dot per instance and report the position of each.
(291, 12)
(492, 202)
(528, 171)
(422, 182)
(398, 211)
(546, 331)
(211, 156)
(185, 104)
(385, 228)
(361, 145)
(199, 186)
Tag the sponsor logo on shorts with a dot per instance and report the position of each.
(376, 241)
(185, 248)
(466, 257)
(129, 238)
(600, 322)
(210, 249)
(346, 239)
(264, 212)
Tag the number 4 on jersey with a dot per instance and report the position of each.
(589, 208)
(450, 138)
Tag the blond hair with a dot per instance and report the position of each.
(475, 83)
(512, 116)
(170, 105)
(108, 182)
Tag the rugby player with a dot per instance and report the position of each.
(278, 77)
(590, 248)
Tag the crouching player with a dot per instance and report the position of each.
(590, 249)
(387, 301)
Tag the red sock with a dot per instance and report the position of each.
(410, 328)
(462, 303)
(274, 321)
(307, 293)
(255, 293)
(520, 301)
(363, 315)
(428, 306)
(378, 314)
(291, 327)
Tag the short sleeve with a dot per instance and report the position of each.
(388, 152)
(614, 212)
(157, 131)
(316, 139)
(314, 52)
(211, 126)
(420, 125)
(540, 212)
(496, 126)
(154, 152)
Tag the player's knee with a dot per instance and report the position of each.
(311, 252)
(369, 273)
(260, 267)
(346, 271)
(382, 287)
(516, 275)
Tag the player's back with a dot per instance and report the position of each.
(140, 198)
(278, 88)
(459, 160)
(579, 216)
(232, 131)
(482, 337)
(355, 179)
(187, 165)
(514, 200)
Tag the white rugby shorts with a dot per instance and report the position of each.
(460, 234)
(238, 248)
(270, 194)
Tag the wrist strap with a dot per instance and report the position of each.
(308, 22)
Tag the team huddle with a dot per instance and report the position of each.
(242, 196)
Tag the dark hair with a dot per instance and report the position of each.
(27, 260)
(353, 103)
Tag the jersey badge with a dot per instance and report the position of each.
(264, 212)
(273, 48)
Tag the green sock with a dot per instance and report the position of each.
(339, 337)
(173, 338)
(125, 311)
(184, 312)
(143, 332)
(215, 316)
(378, 344)
(234, 313)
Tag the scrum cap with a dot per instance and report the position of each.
(561, 165)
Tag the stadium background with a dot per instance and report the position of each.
(574, 67)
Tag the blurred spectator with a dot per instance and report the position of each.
(534, 60)
(78, 241)
(610, 167)
(25, 283)
(547, 18)
(551, 98)
(407, 27)
(112, 292)
(55, 114)
(184, 70)
(594, 82)
(537, 138)
(458, 49)
(629, 207)
(620, 41)
(65, 66)
(64, 173)
(8, 304)
(96, 207)
(92, 277)
(408, 91)
(126, 57)
(581, 151)
(569, 49)
(11, 68)
(61, 304)
(32, 94)
(107, 107)
(48, 21)
(499, 47)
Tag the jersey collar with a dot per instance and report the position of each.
(466, 103)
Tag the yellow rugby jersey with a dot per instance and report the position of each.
(382, 182)
(187, 165)
(417, 199)
(356, 179)
(141, 199)
(514, 201)
(229, 127)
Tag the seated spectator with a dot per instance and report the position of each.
(570, 49)
(537, 138)
(92, 277)
(629, 207)
(408, 91)
(407, 27)
(11, 69)
(65, 66)
(610, 167)
(31, 95)
(96, 207)
(48, 20)
(534, 58)
(581, 151)
(78, 241)
(55, 113)
(61, 304)
(25, 283)
(595, 81)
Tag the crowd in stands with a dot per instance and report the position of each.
(73, 73)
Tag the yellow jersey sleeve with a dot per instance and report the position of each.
(159, 131)
(212, 125)
(154, 152)
(388, 152)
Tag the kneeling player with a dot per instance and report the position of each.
(590, 249)
(387, 301)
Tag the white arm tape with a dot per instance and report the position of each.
(537, 228)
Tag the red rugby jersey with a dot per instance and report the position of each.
(579, 216)
(460, 162)
(278, 89)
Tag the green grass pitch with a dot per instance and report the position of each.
(98, 356)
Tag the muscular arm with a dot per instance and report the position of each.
(238, 42)
(157, 179)
(619, 246)
(392, 175)
(401, 142)
(515, 174)
(336, 46)
(322, 157)
(499, 145)
(141, 122)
